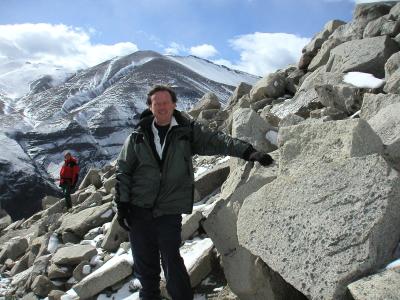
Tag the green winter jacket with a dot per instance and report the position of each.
(168, 187)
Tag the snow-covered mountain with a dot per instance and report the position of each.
(89, 112)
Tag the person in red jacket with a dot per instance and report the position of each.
(69, 177)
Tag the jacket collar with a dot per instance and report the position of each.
(147, 117)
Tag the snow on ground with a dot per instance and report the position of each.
(393, 264)
(215, 72)
(363, 80)
(272, 137)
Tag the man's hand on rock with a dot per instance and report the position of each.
(263, 158)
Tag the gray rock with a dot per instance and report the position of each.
(73, 255)
(92, 177)
(30, 296)
(114, 236)
(290, 120)
(392, 64)
(367, 55)
(293, 80)
(93, 200)
(20, 278)
(381, 286)
(374, 27)
(209, 181)
(208, 101)
(343, 97)
(373, 103)
(5, 222)
(110, 183)
(394, 12)
(271, 86)
(80, 270)
(321, 227)
(49, 201)
(256, 106)
(42, 285)
(14, 249)
(207, 115)
(319, 77)
(112, 272)
(391, 28)
(386, 123)
(301, 104)
(20, 265)
(305, 145)
(55, 295)
(322, 36)
(392, 85)
(249, 126)
(241, 90)
(81, 222)
(322, 56)
(190, 224)
(251, 282)
(56, 272)
(328, 114)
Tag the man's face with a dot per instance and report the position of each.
(67, 156)
(162, 107)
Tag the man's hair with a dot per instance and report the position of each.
(160, 88)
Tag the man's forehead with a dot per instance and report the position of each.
(161, 95)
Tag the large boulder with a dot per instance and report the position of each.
(322, 56)
(344, 97)
(73, 255)
(211, 180)
(14, 248)
(381, 286)
(386, 123)
(92, 177)
(367, 55)
(271, 86)
(307, 145)
(373, 103)
(113, 271)
(254, 281)
(81, 222)
(208, 101)
(114, 236)
(249, 126)
(322, 227)
(322, 36)
(241, 90)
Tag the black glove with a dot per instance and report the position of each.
(263, 158)
(123, 210)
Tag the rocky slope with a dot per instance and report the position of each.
(320, 223)
(91, 113)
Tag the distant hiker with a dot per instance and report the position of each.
(155, 185)
(69, 177)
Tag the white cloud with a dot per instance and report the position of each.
(204, 51)
(175, 49)
(263, 53)
(67, 46)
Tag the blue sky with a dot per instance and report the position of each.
(252, 35)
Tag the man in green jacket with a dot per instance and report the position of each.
(155, 185)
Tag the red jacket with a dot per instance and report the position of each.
(69, 171)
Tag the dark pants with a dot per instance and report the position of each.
(66, 188)
(154, 237)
